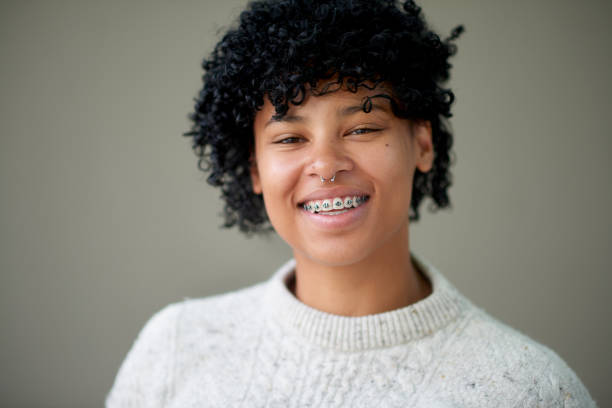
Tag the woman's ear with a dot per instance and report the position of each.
(255, 180)
(425, 153)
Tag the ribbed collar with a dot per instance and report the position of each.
(387, 329)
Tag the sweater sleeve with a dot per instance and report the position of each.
(145, 376)
(557, 386)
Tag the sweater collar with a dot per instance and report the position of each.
(386, 329)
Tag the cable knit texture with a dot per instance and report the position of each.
(262, 347)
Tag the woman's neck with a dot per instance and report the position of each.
(386, 280)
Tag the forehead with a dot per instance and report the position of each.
(341, 100)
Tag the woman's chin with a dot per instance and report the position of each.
(332, 255)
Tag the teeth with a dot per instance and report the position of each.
(309, 207)
(334, 212)
(326, 205)
(336, 203)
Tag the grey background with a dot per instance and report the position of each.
(104, 217)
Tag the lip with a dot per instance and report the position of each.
(332, 192)
(343, 221)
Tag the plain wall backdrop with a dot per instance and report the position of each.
(104, 217)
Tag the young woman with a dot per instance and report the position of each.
(325, 121)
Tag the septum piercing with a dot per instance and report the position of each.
(331, 180)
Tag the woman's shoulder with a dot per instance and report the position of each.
(491, 354)
(144, 378)
(218, 309)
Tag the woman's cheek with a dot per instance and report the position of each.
(380, 161)
(280, 172)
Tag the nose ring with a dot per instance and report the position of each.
(331, 180)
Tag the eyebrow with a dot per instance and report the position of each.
(286, 118)
(346, 111)
(351, 110)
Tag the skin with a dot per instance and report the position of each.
(363, 267)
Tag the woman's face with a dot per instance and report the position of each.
(373, 157)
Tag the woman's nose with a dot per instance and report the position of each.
(327, 159)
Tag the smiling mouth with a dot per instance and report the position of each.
(334, 206)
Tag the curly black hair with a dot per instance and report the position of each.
(282, 46)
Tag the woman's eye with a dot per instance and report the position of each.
(289, 140)
(361, 131)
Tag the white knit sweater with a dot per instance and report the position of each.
(262, 347)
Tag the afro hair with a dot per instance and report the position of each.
(282, 46)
